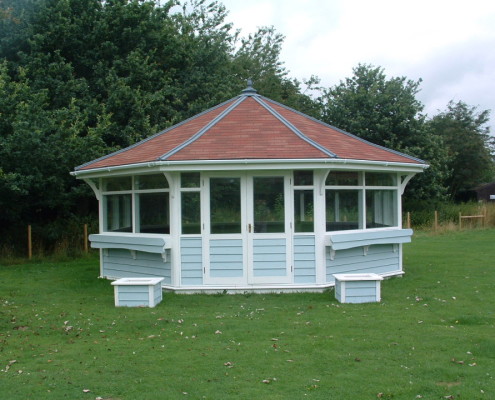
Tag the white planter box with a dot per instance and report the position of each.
(137, 292)
(357, 288)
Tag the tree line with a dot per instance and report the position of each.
(82, 78)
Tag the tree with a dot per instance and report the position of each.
(466, 135)
(387, 112)
(82, 78)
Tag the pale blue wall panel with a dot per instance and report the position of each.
(270, 243)
(226, 273)
(269, 257)
(269, 265)
(226, 258)
(380, 259)
(356, 292)
(306, 240)
(304, 264)
(304, 279)
(123, 296)
(270, 272)
(360, 299)
(304, 259)
(191, 261)
(119, 263)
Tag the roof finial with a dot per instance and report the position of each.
(249, 90)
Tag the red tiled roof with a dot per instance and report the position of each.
(250, 127)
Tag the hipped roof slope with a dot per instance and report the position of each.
(250, 127)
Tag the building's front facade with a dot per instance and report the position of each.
(250, 195)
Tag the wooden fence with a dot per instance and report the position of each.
(481, 217)
(85, 242)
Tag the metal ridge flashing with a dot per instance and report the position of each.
(163, 131)
(343, 132)
(294, 129)
(204, 129)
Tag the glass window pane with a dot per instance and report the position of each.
(118, 210)
(116, 184)
(154, 216)
(225, 205)
(342, 178)
(191, 212)
(381, 208)
(380, 179)
(157, 181)
(303, 210)
(343, 210)
(189, 180)
(269, 206)
(303, 178)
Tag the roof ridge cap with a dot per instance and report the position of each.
(346, 133)
(293, 128)
(237, 100)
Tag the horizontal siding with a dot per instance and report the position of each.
(133, 303)
(139, 296)
(304, 259)
(226, 258)
(120, 263)
(357, 291)
(135, 296)
(360, 285)
(269, 257)
(379, 259)
(361, 299)
(354, 292)
(191, 261)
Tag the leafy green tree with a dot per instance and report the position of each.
(466, 135)
(386, 111)
(82, 78)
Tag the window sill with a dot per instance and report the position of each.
(150, 243)
(348, 240)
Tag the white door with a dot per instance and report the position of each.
(269, 228)
(225, 220)
(247, 229)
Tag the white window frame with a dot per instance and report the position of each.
(134, 202)
(362, 188)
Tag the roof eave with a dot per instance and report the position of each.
(251, 164)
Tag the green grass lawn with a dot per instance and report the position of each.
(431, 337)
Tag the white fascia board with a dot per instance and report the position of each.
(263, 164)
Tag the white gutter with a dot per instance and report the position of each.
(253, 164)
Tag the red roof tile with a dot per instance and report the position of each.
(249, 127)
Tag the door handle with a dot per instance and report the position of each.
(249, 228)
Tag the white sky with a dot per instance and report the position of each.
(450, 44)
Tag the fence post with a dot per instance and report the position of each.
(85, 238)
(30, 243)
(460, 221)
(408, 220)
(436, 220)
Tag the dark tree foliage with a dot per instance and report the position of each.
(386, 111)
(82, 78)
(466, 135)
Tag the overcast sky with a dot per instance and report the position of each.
(450, 44)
